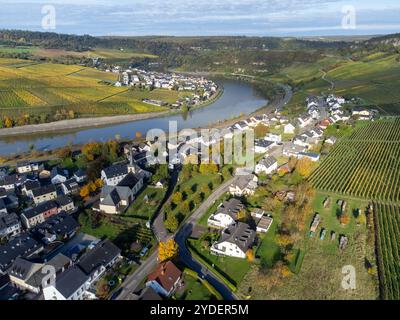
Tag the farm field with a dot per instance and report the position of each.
(388, 248)
(38, 91)
(365, 164)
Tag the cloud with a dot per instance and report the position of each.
(194, 17)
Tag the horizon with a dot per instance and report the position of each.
(252, 18)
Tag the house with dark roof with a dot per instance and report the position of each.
(263, 146)
(114, 174)
(70, 186)
(266, 165)
(43, 194)
(70, 285)
(59, 227)
(244, 185)
(66, 204)
(28, 187)
(80, 176)
(10, 225)
(165, 279)
(23, 245)
(147, 293)
(31, 276)
(226, 214)
(39, 214)
(116, 199)
(58, 175)
(235, 241)
(99, 259)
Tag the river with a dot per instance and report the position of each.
(237, 98)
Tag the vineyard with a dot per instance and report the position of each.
(388, 248)
(365, 164)
(47, 89)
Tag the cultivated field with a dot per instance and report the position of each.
(29, 89)
(365, 165)
(388, 248)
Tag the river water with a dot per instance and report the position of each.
(238, 98)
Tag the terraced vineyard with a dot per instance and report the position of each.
(388, 248)
(365, 164)
(28, 88)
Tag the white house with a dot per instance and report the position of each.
(331, 140)
(289, 128)
(263, 146)
(226, 214)
(304, 121)
(58, 175)
(312, 156)
(274, 137)
(114, 174)
(244, 185)
(165, 279)
(266, 165)
(235, 241)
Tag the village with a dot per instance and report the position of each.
(202, 89)
(39, 203)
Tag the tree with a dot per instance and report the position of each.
(284, 240)
(250, 255)
(171, 223)
(185, 207)
(8, 122)
(99, 183)
(167, 250)
(344, 219)
(92, 187)
(261, 130)
(242, 215)
(85, 191)
(304, 167)
(91, 150)
(177, 198)
(211, 168)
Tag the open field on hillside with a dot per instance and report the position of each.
(320, 276)
(43, 90)
(388, 248)
(366, 164)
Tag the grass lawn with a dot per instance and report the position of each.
(268, 252)
(320, 276)
(233, 269)
(142, 209)
(193, 290)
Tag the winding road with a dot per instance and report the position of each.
(133, 281)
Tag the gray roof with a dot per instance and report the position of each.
(268, 161)
(21, 246)
(8, 219)
(243, 181)
(263, 143)
(43, 190)
(231, 208)
(240, 234)
(24, 269)
(116, 170)
(39, 209)
(61, 224)
(104, 252)
(70, 281)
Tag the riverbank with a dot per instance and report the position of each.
(92, 122)
(80, 123)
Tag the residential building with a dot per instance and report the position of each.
(263, 146)
(70, 186)
(266, 165)
(28, 187)
(274, 137)
(65, 203)
(10, 224)
(113, 175)
(312, 156)
(289, 128)
(226, 214)
(30, 276)
(80, 176)
(58, 175)
(43, 194)
(292, 150)
(39, 214)
(235, 241)
(244, 185)
(23, 245)
(165, 279)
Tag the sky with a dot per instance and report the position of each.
(203, 17)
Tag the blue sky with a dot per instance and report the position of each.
(200, 17)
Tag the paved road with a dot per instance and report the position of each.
(133, 281)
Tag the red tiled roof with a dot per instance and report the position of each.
(166, 275)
